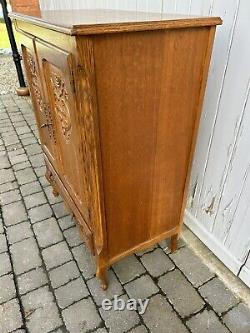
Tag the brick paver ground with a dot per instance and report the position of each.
(47, 281)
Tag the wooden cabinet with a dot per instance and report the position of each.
(117, 98)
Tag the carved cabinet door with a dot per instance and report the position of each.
(39, 100)
(57, 70)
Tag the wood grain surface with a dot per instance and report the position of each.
(100, 21)
(124, 113)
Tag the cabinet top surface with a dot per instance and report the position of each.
(95, 21)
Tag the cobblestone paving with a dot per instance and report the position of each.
(9, 81)
(47, 281)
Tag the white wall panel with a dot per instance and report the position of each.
(216, 79)
(201, 7)
(169, 6)
(237, 238)
(149, 6)
(245, 271)
(183, 7)
(231, 107)
(220, 186)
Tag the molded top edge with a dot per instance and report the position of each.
(96, 21)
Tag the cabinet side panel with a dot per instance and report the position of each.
(148, 87)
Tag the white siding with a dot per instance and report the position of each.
(218, 209)
(220, 188)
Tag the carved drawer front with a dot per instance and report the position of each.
(57, 69)
(41, 108)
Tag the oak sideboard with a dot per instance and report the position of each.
(117, 97)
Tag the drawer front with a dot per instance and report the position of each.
(39, 99)
(56, 68)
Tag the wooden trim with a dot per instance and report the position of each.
(40, 23)
(144, 26)
(63, 41)
(145, 245)
(85, 231)
(86, 84)
(90, 29)
(204, 77)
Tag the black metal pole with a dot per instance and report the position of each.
(16, 56)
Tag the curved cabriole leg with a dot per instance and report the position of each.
(174, 240)
(54, 191)
(51, 180)
(102, 275)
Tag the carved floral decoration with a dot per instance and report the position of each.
(62, 104)
(34, 81)
(44, 110)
